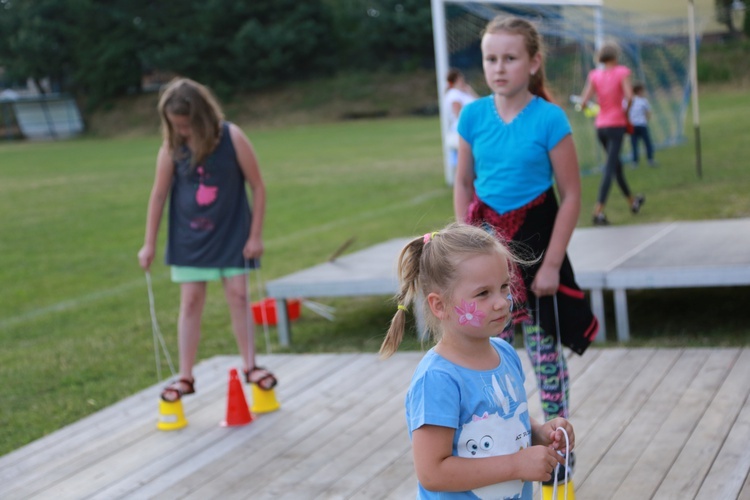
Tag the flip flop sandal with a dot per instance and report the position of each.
(266, 382)
(173, 392)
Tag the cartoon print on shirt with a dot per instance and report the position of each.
(500, 433)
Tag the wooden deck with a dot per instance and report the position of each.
(650, 423)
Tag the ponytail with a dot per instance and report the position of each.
(537, 86)
(408, 274)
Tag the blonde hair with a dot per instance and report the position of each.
(609, 52)
(185, 97)
(534, 45)
(429, 264)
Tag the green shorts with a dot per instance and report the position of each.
(185, 274)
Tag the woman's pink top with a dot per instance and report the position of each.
(608, 86)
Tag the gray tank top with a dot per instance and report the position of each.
(209, 214)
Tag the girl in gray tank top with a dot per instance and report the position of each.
(214, 231)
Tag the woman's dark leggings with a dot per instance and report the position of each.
(611, 138)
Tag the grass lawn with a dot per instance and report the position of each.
(74, 318)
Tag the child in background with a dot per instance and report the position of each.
(466, 407)
(458, 95)
(612, 87)
(202, 167)
(639, 115)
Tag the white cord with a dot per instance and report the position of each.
(559, 350)
(567, 469)
(158, 337)
(261, 303)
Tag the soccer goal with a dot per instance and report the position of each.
(655, 49)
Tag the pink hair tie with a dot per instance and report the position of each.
(429, 236)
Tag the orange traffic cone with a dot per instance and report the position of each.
(238, 413)
(171, 416)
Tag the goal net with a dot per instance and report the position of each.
(655, 49)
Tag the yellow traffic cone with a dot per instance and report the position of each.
(263, 401)
(171, 416)
(565, 491)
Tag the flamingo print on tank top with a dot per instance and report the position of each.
(204, 196)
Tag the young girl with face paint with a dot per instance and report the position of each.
(466, 407)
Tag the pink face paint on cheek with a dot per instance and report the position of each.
(468, 314)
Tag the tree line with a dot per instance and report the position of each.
(98, 50)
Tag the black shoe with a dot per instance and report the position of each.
(561, 471)
(637, 203)
(600, 220)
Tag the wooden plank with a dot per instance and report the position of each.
(728, 476)
(697, 457)
(388, 482)
(350, 458)
(147, 452)
(676, 427)
(600, 438)
(210, 466)
(604, 395)
(405, 489)
(94, 438)
(605, 474)
(745, 493)
(355, 398)
(102, 425)
(88, 464)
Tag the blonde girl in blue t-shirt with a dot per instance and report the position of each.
(466, 407)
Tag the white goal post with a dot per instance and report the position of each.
(656, 49)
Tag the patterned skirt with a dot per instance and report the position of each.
(528, 230)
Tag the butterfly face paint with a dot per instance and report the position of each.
(468, 314)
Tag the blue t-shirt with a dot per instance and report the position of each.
(511, 160)
(488, 410)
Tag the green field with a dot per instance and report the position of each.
(74, 318)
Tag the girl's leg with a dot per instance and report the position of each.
(616, 136)
(550, 369)
(634, 144)
(192, 300)
(235, 290)
(605, 137)
(649, 144)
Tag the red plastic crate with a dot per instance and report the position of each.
(267, 307)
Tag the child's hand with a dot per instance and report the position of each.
(537, 463)
(556, 437)
(146, 257)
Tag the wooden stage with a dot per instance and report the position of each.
(617, 258)
(650, 423)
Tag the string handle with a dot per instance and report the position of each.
(261, 299)
(156, 332)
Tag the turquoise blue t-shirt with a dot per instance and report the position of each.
(488, 410)
(511, 160)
